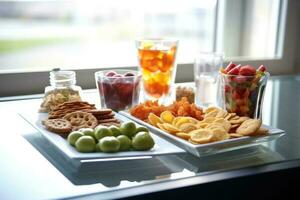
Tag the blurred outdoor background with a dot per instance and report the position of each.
(39, 35)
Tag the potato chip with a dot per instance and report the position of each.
(187, 127)
(167, 117)
(191, 141)
(221, 113)
(261, 131)
(193, 120)
(182, 135)
(182, 120)
(211, 114)
(220, 134)
(239, 120)
(209, 119)
(202, 136)
(235, 135)
(210, 109)
(154, 120)
(234, 118)
(224, 123)
(228, 116)
(202, 124)
(170, 128)
(215, 126)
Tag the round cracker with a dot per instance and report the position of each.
(60, 126)
(249, 127)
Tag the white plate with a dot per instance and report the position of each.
(161, 147)
(214, 147)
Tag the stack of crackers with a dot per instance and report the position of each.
(72, 116)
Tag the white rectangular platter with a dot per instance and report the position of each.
(161, 147)
(214, 147)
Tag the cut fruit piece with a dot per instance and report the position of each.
(154, 120)
(167, 117)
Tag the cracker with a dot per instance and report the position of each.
(108, 116)
(261, 131)
(239, 120)
(60, 126)
(81, 119)
(61, 110)
(249, 127)
(100, 112)
(107, 120)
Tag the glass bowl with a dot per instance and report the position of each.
(118, 89)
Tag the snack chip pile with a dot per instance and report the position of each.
(217, 125)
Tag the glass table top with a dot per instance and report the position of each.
(31, 167)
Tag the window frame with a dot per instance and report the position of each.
(24, 83)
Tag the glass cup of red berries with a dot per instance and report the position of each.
(119, 89)
(242, 89)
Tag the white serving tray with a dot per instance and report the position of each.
(161, 147)
(214, 147)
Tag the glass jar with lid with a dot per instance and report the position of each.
(62, 89)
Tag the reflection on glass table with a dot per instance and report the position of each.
(148, 169)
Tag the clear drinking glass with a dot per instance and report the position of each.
(206, 67)
(119, 92)
(243, 95)
(157, 61)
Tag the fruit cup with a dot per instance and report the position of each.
(243, 94)
(118, 90)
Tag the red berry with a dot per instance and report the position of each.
(229, 67)
(261, 68)
(235, 70)
(117, 75)
(227, 88)
(236, 95)
(240, 79)
(110, 73)
(247, 70)
(129, 74)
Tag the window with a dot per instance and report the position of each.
(39, 35)
(250, 28)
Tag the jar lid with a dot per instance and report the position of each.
(62, 78)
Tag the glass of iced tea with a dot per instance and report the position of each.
(157, 61)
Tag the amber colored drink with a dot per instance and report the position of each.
(157, 66)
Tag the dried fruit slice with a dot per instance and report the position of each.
(167, 117)
(154, 120)
(182, 120)
(170, 128)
